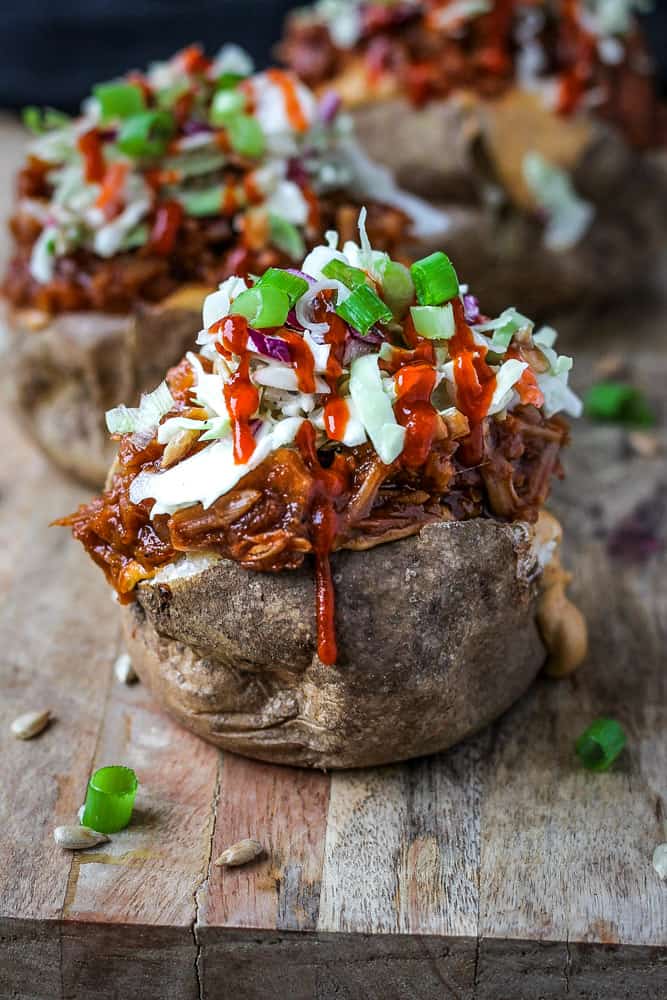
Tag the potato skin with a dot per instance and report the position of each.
(436, 636)
(453, 153)
(65, 372)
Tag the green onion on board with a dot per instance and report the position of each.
(618, 402)
(600, 744)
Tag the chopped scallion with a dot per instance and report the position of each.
(600, 744)
(146, 134)
(618, 402)
(110, 799)
(349, 276)
(40, 120)
(291, 284)
(119, 100)
(363, 309)
(398, 290)
(207, 201)
(228, 80)
(226, 105)
(435, 279)
(246, 136)
(434, 322)
(286, 237)
(263, 306)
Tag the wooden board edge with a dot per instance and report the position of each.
(47, 960)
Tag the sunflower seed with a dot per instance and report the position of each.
(124, 670)
(239, 854)
(644, 444)
(77, 838)
(30, 724)
(660, 860)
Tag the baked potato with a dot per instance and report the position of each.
(234, 658)
(166, 184)
(368, 419)
(534, 126)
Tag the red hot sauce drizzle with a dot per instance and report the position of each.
(336, 412)
(330, 485)
(90, 147)
(293, 109)
(413, 409)
(241, 395)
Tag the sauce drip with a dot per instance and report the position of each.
(193, 60)
(110, 198)
(229, 202)
(336, 412)
(293, 109)
(241, 396)
(90, 146)
(302, 359)
(336, 416)
(168, 218)
(475, 379)
(527, 387)
(413, 410)
(580, 48)
(330, 485)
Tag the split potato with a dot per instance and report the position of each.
(437, 636)
(64, 372)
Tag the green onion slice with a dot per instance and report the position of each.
(286, 237)
(618, 402)
(600, 744)
(119, 100)
(246, 136)
(291, 284)
(263, 306)
(226, 105)
(434, 322)
(146, 134)
(207, 201)
(228, 80)
(110, 799)
(40, 120)
(349, 276)
(435, 279)
(363, 309)
(398, 289)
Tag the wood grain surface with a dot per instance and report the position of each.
(498, 871)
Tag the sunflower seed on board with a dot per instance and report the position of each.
(77, 838)
(30, 724)
(660, 860)
(644, 444)
(124, 670)
(239, 854)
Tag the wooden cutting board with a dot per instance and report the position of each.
(498, 870)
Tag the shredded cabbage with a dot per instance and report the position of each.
(368, 391)
(568, 215)
(374, 408)
(152, 407)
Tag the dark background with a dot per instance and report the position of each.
(54, 50)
